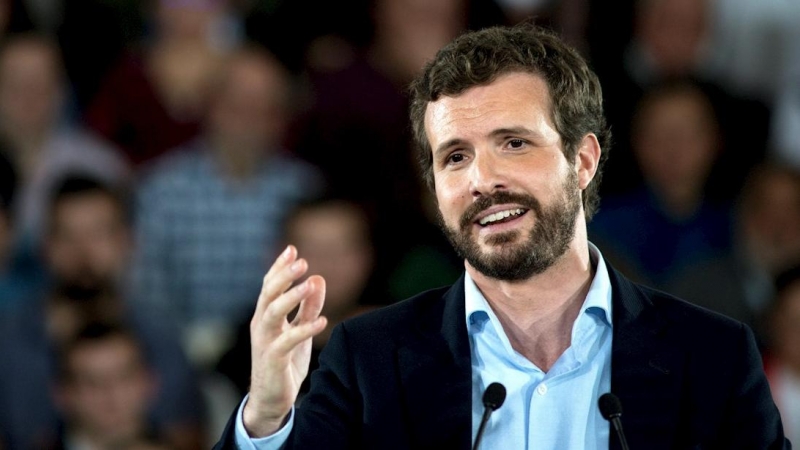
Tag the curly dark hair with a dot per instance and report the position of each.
(478, 58)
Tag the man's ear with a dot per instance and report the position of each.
(586, 159)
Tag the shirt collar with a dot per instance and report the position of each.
(597, 302)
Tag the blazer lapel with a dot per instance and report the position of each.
(436, 377)
(645, 372)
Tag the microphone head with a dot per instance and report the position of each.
(494, 396)
(610, 406)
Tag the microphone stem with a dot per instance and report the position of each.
(618, 426)
(484, 420)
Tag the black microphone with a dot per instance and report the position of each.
(611, 409)
(493, 398)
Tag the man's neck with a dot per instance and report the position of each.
(237, 162)
(537, 314)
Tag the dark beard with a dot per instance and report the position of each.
(549, 239)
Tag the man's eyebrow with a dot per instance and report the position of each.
(447, 144)
(518, 131)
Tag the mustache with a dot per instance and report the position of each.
(485, 202)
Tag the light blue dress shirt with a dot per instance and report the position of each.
(556, 410)
(542, 411)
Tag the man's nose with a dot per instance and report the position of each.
(486, 174)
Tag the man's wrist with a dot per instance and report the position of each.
(244, 441)
(260, 427)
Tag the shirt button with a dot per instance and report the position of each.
(541, 389)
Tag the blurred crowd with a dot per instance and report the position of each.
(156, 156)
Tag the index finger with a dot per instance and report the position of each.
(287, 257)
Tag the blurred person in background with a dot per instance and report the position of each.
(87, 246)
(41, 142)
(335, 236)
(766, 242)
(208, 211)
(782, 358)
(104, 391)
(667, 40)
(673, 39)
(668, 223)
(155, 97)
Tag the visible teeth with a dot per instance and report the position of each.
(500, 215)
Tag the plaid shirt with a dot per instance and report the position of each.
(205, 242)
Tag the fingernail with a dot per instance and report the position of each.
(303, 287)
(286, 252)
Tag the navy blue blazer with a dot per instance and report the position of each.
(400, 378)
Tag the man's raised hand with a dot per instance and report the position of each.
(281, 350)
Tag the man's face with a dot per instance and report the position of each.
(247, 112)
(334, 240)
(674, 31)
(771, 221)
(508, 198)
(109, 390)
(89, 242)
(677, 141)
(29, 87)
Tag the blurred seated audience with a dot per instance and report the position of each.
(155, 97)
(87, 245)
(40, 140)
(782, 359)
(766, 241)
(668, 223)
(334, 235)
(672, 39)
(104, 391)
(209, 213)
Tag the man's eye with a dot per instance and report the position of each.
(455, 158)
(516, 143)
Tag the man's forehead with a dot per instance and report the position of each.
(515, 91)
(517, 82)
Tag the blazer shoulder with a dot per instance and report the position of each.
(404, 315)
(688, 313)
(639, 301)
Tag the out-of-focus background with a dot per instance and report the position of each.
(156, 155)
